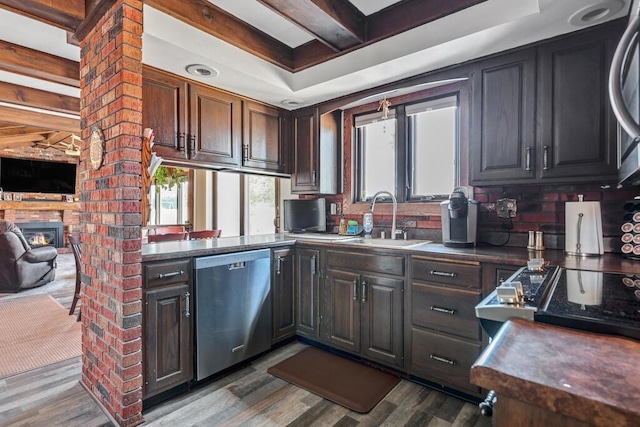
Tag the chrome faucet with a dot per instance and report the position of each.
(395, 209)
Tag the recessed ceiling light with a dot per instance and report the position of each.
(292, 103)
(201, 70)
(596, 13)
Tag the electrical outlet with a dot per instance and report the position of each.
(506, 208)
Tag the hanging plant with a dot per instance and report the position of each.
(166, 176)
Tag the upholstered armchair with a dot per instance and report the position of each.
(21, 266)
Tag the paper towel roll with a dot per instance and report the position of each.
(583, 229)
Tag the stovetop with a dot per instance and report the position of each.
(594, 301)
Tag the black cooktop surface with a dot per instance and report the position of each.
(594, 301)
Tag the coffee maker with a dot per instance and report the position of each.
(459, 219)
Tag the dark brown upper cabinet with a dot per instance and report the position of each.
(206, 127)
(315, 152)
(542, 114)
(215, 126)
(165, 111)
(576, 126)
(264, 137)
(502, 132)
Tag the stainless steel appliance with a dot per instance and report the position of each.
(459, 219)
(232, 309)
(592, 301)
(624, 94)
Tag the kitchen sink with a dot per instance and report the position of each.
(385, 243)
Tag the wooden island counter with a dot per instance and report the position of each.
(546, 375)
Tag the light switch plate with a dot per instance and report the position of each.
(506, 208)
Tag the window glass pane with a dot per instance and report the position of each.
(260, 204)
(228, 203)
(377, 161)
(184, 203)
(434, 137)
(169, 205)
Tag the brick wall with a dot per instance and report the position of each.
(540, 208)
(111, 88)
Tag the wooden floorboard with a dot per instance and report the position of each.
(53, 396)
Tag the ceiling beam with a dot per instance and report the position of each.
(15, 130)
(20, 139)
(65, 14)
(22, 95)
(34, 118)
(383, 24)
(212, 20)
(56, 137)
(33, 63)
(403, 16)
(336, 23)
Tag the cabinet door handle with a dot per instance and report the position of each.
(172, 274)
(181, 145)
(545, 157)
(442, 359)
(245, 152)
(278, 261)
(527, 165)
(313, 265)
(187, 303)
(313, 177)
(355, 290)
(192, 144)
(442, 273)
(443, 310)
(364, 291)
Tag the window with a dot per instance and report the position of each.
(246, 204)
(169, 205)
(412, 154)
(432, 140)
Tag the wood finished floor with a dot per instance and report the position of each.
(53, 396)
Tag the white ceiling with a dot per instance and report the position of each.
(169, 44)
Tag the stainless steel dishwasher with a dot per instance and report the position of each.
(232, 309)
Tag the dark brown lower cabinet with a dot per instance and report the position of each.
(168, 351)
(284, 295)
(443, 358)
(307, 279)
(167, 323)
(362, 312)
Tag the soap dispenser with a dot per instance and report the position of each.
(367, 224)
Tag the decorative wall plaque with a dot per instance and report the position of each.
(96, 147)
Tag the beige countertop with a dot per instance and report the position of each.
(590, 377)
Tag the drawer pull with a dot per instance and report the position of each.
(442, 273)
(443, 310)
(442, 359)
(355, 290)
(172, 274)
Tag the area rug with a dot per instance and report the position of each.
(35, 331)
(343, 381)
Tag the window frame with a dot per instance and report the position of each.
(460, 90)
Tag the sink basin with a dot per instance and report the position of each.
(386, 243)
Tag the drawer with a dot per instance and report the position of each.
(443, 359)
(386, 264)
(446, 273)
(449, 310)
(166, 272)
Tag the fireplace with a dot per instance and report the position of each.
(43, 233)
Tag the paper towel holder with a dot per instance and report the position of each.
(583, 228)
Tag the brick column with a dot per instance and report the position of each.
(111, 98)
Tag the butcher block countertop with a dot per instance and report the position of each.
(593, 379)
